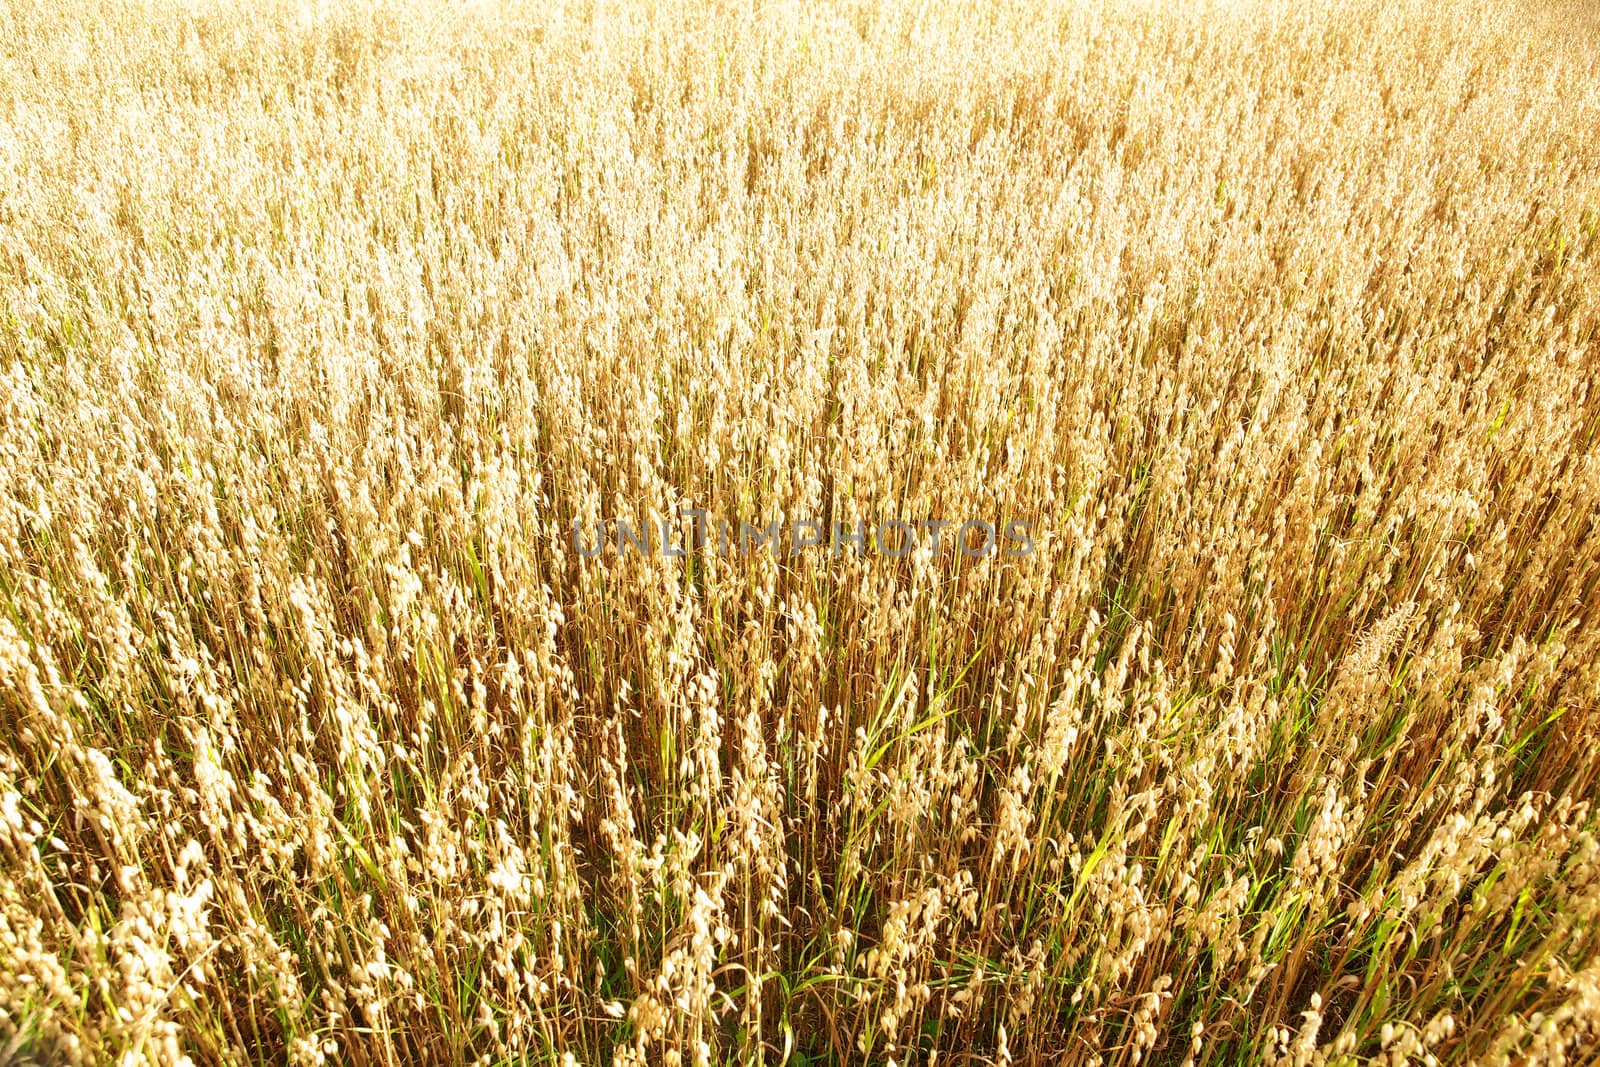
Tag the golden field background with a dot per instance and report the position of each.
(320, 326)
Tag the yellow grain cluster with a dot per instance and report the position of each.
(321, 325)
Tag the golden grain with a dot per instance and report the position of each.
(321, 326)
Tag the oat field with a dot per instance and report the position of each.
(337, 339)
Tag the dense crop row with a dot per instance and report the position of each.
(322, 327)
